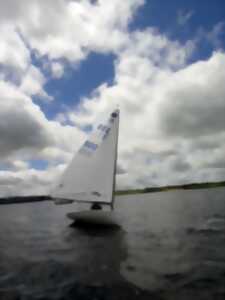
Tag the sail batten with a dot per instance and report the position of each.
(90, 177)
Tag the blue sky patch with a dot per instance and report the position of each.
(199, 18)
(38, 164)
(78, 82)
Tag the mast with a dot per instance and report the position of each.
(115, 163)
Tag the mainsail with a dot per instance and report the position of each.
(90, 177)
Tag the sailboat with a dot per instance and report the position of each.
(91, 175)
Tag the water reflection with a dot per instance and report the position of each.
(166, 254)
(170, 244)
(99, 253)
(54, 258)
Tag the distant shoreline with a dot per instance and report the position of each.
(24, 199)
(189, 186)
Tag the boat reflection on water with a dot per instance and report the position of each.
(169, 246)
(102, 249)
(44, 256)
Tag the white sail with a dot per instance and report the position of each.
(90, 177)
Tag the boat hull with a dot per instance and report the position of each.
(94, 217)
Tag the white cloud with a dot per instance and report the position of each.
(214, 36)
(184, 16)
(71, 28)
(172, 114)
(26, 134)
(21, 122)
(24, 128)
(165, 113)
(28, 182)
(197, 94)
(14, 55)
(71, 31)
(57, 70)
(32, 83)
(18, 165)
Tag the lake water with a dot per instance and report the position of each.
(171, 245)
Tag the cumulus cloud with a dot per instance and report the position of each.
(21, 122)
(25, 135)
(197, 94)
(57, 70)
(168, 116)
(14, 55)
(24, 128)
(172, 114)
(32, 83)
(71, 28)
(184, 16)
(31, 181)
(15, 165)
(213, 37)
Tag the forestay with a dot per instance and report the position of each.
(90, 177)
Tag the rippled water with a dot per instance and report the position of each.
(170, 246)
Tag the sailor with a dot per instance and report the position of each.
(96, 206)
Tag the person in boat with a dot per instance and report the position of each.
(96, 206)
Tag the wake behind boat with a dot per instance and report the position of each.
(90, 177)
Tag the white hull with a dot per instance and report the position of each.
(95, 217)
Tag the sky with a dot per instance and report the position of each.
(65, 64)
